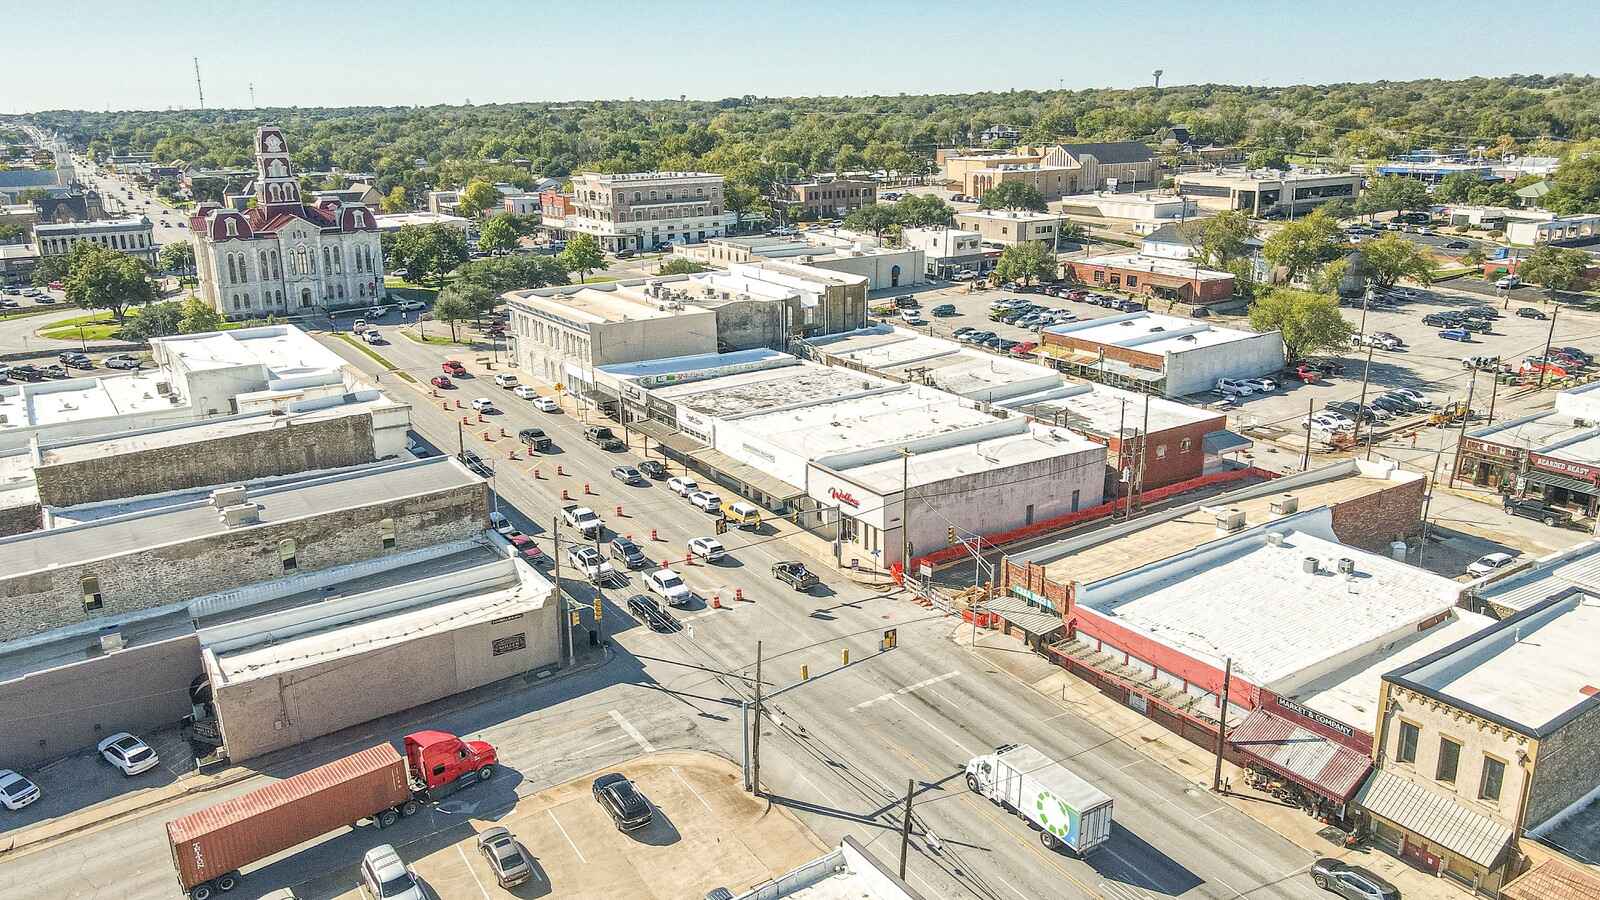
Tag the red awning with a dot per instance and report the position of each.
(1331, 769)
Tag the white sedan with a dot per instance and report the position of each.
(708, 549)
(15, 790)
(524, 392)
(128, 753)
(670, 586)
(546, 404)
(1486, 564)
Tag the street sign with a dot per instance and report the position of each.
(558, 386)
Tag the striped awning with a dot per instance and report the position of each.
(1024, 615)
(1435, 817)
(1557, 480)
(1326, 767)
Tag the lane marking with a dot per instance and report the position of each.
(564, 834)
(692, 790)
(475, 880)
(630, 731)
(907, 689)
(919, 718)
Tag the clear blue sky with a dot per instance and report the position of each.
(137, 54)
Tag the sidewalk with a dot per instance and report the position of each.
(1192, 762)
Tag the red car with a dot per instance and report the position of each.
(442, 381)
(452, 367)
(1025, 348)
(1076, 294)
(527, 548)
(1305, 373)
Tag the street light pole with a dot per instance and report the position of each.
(905, 515)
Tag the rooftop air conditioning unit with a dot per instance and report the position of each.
(1310, 565)
(1347, 566)
(1230, 520)
(1580, 423)
(243, 514)
(1285, 505)
(111, 639)
(1275, 539)
(222, 498)
(163, 388)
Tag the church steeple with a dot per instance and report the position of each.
(277, 190)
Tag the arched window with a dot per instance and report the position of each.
(699, 192)
(338, 263)
(327, 261)
(636, 196)
(340, 291)
(361, 289)
(233, 272)
(277, 272)
(262, 260)
(278, 297)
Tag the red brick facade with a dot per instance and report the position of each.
(1382, 517)
(1141, 281)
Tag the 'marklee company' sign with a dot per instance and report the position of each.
(1317, 717)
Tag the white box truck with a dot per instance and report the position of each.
(1069, 811)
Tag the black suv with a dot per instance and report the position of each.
(1538, 510)
(622, 801)
(1443, 320)
(627, 552)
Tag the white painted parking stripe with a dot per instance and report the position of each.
(567, 836)
(630, 731)
(692, 790)
(475, 880)
(905, 690)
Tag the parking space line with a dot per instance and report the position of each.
(552, 814)
(630, 731)
(692, 790)
(481, 889)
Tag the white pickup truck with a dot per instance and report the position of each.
(583, 519)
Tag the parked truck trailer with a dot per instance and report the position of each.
(1069, 811)
(210, 847)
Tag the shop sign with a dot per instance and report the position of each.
(1319, 718)
(844, 497)
(757, 451)
(1550, 464)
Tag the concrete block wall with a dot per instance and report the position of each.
(145, 579)
(284, 450)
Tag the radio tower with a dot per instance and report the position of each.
(197, 85)
(252, 96)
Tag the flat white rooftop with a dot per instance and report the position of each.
(78, 399)
(1539, 430)
(1529, 669)
(1009, 215)
(1106, 410)
(902, 414)
(752, 392)
(596, 304)
(284, 351)
(1242, 597)
(994, 454)
(696, 366)
(1149, 332)
(1350, 694)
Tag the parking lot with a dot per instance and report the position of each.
(706, 833)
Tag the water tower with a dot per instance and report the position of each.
(1157, 75)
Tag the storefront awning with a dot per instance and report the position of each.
(1435, 817)
(777, 491)
(1328, 768)
(1555, 480)
(673, 440)
(1217, 443)
(1024, 615)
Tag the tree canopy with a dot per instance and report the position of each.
(177, 257)
(1013, 195)
(1554, 268)
(499, 233)
(1310, 323)
(1027, 261)
(101, 278)
(427, 252)
(519, 272)
(1392, 193)
(583, 255)
(479, 196)
(681, 266)
(1221, 238)
(1391, 258)
(1302, 245)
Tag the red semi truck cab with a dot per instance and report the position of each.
(437, 760)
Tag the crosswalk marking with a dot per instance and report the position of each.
(905, 690)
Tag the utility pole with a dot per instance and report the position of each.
(1122, 442)
(905, 516)
(197, 86)
(755, 736)
(1222, 727)
(1305, 461)
(1455, 467)
(561, 599)
(1549, 338)
(1361, 407)
(905, 827)
(1144, 438)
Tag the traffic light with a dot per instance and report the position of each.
(952, 535)
(722, 526)
(597, 609)
(890, 638)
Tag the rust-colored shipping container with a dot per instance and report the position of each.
(227, 837)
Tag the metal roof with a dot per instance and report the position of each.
(1330, 768)
(1435, 817)
(1024, 615)
(1553, 880)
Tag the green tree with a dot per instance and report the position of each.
(396, 200)
(1221, 238)
(740, 199)
(207, 189)
(198, 316)
(474, 295)
(1268, 159)
(50, 268)
(513, 273)
(875, 218)
(1575, 187)
(681, 266)
(1394, 193)
(428, 252)
(1456, 187)
(498, 234)
(1554, 268)
(32, 194)
(583, 255)
(177, 257)
(924, 211)
(1391, 258)
(1473, 257)
(477, 197)
(12, 233)
(1303, 244)
(1013, 195)
(1310, 323)
(1027, 261)
(1338, 208)
(452, 309)
(101, 278)
(155, 320)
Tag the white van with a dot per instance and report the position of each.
(1510, 281)
(506, 380)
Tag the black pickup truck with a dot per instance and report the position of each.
(601, 437)
(794, 574)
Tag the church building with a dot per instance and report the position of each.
(280, 255)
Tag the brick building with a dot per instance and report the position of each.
(1490, 741)
(1153, 276)
(823, 198)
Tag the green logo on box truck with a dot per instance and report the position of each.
(1056, 817)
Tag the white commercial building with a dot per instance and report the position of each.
(948, 251)
(639, 210)
(132, 235)
(391, 222)
(1146, 212)
(906, 355)
(1268, 192)
(831, 250)
(1009, 226)
(1557, 230)
(1167, 354)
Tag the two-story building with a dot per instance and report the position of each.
(1011, 226)
(131, 235)
(821, 198)
(639, 210)
(1490, 741)
(949, 251)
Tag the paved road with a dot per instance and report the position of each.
(838, 748)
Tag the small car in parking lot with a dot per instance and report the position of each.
(707, 548)
(122, 361)
(1326, 421)
(1488, 563)
(1234, 387)
(546, 404)
(387, 877)
(1537, 510)
(1528, 312)
(1442, 319)
(16, 791)
(1456, 334)
(507, 859)
(944, 309)
(669, 586)
(628, 808)
(129, 754)
(626, 474)
(650, 613)
(1263, 384)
